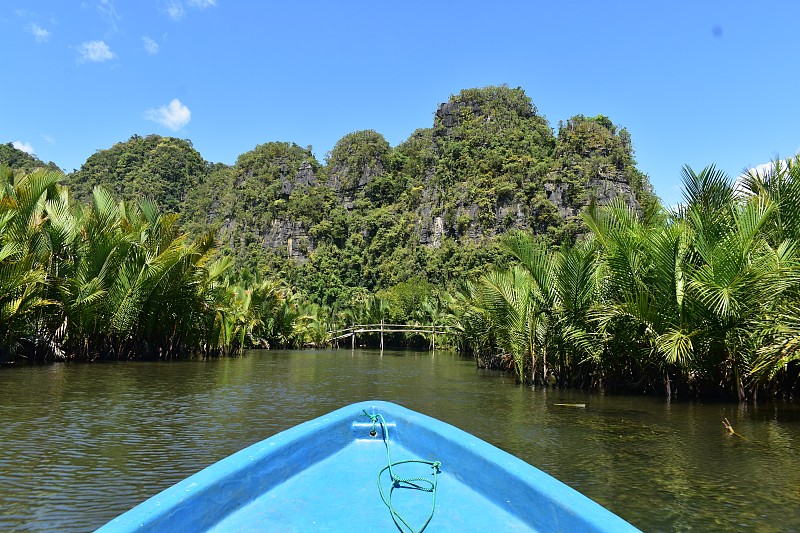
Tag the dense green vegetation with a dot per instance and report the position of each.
(14, 158)
(155, 167)
(704, 300)
(119, 280)
(372, 216)
(544, 254)
(607, 152)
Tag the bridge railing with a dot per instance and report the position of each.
(353, 330)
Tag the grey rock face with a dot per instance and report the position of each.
(292, 237)
(606, 189)
(305, 177)
(349, 180)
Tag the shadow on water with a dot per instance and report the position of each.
(83, 443)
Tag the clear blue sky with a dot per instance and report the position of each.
(695, 83)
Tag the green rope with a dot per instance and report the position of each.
(416, 483)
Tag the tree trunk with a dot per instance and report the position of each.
(739, 384)
(544, 366)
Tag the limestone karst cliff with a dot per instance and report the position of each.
(489, 163)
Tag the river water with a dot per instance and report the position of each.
(80, 444)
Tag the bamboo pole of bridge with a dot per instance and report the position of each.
(383, 328)
(381, 334)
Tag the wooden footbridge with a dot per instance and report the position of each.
(352, 331)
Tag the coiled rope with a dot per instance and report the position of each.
(415, 483)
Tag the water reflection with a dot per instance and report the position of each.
(82, 443)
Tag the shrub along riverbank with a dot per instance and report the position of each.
(703, 300)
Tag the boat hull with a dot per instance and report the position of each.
(322, 476)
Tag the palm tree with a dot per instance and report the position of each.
(780, 329)
(23, 261)
(781, 343)
(312, 326)
(780, 183)
(21, 298)
(737, 282)
(695, 288)
(577, 285)
(507, 297)
(470, 323)
(565, 287)
(542, 269)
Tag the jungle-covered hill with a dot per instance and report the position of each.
(372, 216)
(19, 160)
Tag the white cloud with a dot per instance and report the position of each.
(175, 10)
(764, 169)
(95, 51)
(25, 147)
(768, 168)
(49, 139)
(109, 12)
(174, 116)
(150, 46)
(40, 34)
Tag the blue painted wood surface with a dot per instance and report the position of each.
(321, 476)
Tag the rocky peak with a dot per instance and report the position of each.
(356, 160)
(304, 177)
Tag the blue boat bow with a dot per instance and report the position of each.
(321, 476)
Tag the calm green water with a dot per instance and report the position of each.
(80, 444)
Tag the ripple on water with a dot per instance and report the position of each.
(87, 442)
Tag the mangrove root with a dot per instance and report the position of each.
(730, 429)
